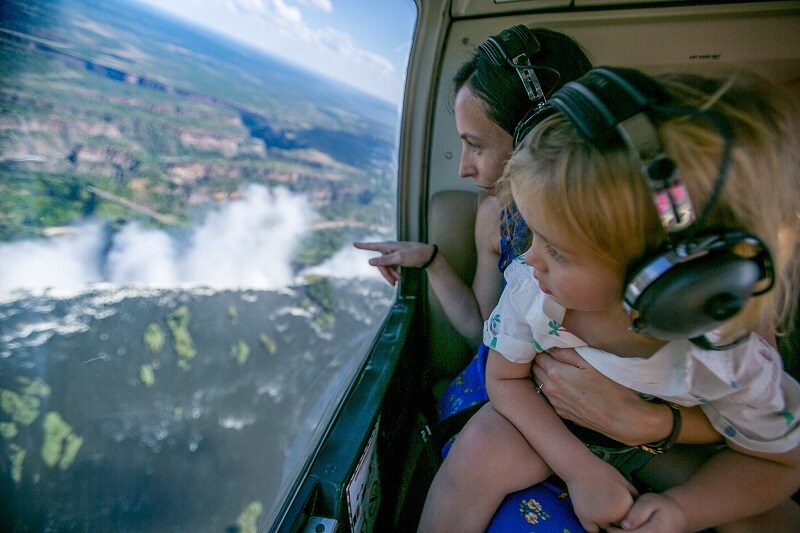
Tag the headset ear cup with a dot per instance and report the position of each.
(679, 299)
(529, 121)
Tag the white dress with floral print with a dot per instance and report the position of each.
(743, 391)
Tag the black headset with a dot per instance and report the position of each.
(700, 277)
(516, 47)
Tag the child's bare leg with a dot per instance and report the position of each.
(488, 460)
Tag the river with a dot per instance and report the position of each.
(136, 409)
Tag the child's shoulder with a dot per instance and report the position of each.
(519, 272)
(751, 356)
(747, 346)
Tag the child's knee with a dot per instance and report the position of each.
(481, 435)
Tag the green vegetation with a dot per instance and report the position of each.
(23, 408)
(17, 453)
(8, 430)
(178, 322)
(147, 375)
(60, 444)
(320, 245)
(34, 387)
(321, 294)
(269, 345)
(233, 314)
(248, 520)
(240, 351)
(154, 338)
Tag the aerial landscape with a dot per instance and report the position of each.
(148, 114)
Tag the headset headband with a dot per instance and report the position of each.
(514, 47)
(606, 105)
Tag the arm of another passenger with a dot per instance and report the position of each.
(600, 494)
(733, 484)
(583, 395)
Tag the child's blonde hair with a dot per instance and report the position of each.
(597, 197)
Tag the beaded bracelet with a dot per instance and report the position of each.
(666, 443)
(427, 263)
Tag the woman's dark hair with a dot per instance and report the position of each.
(559, 59)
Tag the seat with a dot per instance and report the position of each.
(451, 225)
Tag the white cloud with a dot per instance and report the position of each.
(342, 44)
(284, 12)
(323, 5)
(247, 5)
(327, 41)
(284, 28)
(271, 11)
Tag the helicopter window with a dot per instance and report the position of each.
(181, 309)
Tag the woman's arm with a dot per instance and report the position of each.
(465, 306)
(600, 494)
(583, 395)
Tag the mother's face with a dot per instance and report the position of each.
(485, 146)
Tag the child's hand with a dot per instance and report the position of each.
(653, 513)
(601, 497)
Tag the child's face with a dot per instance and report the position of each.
(571, 275)
(485, 146)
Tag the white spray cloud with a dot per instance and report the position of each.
(247, 243)
(253, 242)
(142, 255)
(348, 262)
(68, 262)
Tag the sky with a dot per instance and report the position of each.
(363, 43)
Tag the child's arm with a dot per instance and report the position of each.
(600, 494)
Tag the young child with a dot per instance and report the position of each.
(630, 172)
